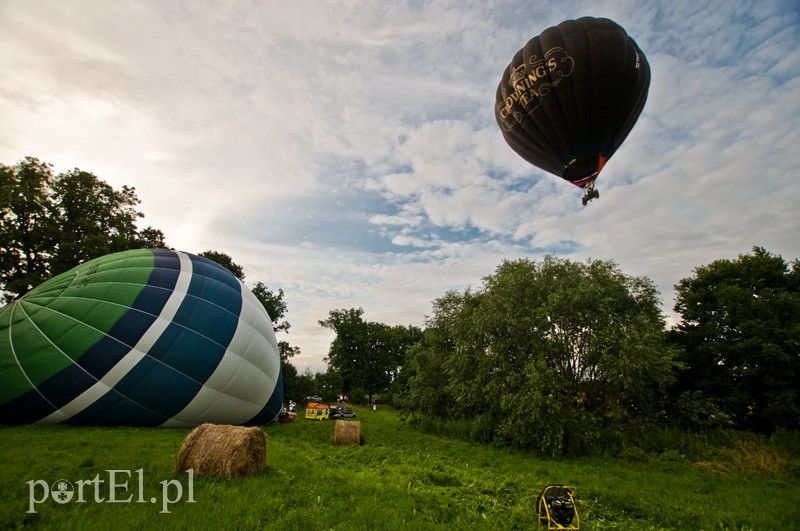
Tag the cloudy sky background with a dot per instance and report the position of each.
(347, 153)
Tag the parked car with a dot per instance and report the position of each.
(342, 412)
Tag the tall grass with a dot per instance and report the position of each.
(726, 449)
(399, 479)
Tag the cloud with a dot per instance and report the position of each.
(348, 153)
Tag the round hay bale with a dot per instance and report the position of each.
(223, 449)
(347, 432)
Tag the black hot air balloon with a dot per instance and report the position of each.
(570, 97)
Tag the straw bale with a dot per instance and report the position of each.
(223, 449)
(347, 432)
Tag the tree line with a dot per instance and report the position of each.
(50, 223)
(563, 356)
(553, 355)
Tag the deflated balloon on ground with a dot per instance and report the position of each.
(139, 338)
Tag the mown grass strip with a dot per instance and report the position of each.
(399, 479)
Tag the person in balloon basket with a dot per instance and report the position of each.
(590, 193)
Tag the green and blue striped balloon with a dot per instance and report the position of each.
(150, 337)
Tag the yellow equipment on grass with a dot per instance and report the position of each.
(555, 508)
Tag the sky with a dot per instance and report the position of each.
(347, 153)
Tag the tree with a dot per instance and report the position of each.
(150, 238)
(740, 330)
(368, 355)
(387, 346)
(291, 386)
(26, 240)
(424, 380)
(546, 355)
(309, 384)
(349, 348)
(92, 219)
(274, 304)
(52, 223)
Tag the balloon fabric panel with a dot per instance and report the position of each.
(571, 96)
(137, 338)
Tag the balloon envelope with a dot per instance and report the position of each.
(569, 98)
(139, 338)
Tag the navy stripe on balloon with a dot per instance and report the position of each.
(189, 352)
(208, 268)
(211, 309)
(69, 383)
(111, 407)
(24, 409)
(203, 325)
(126, 332)
(141, 396)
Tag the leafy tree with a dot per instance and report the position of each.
(274, 304)
(150, 238)
(424, 381)
(328, 384)
(311, 384)
(349, 347)
(546, 355)
(367, 355)
(387, 349)
(740, 330)
(92, 219)
(225, 261)
(26, 239)
(52, 223)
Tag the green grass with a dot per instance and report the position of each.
(399, 479)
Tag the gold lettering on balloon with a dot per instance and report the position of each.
(530, 82)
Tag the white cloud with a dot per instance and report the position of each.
(347, 151)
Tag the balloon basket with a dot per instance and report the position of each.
(589, 194)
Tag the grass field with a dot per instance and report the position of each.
(399, 479)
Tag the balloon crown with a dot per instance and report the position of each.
(517, 74)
